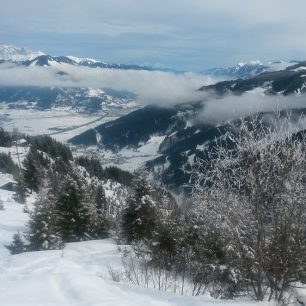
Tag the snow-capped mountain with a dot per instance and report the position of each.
(82, 100)
(175, 135)
(48, 60)
(27, 57)
(88, 100)
(84, 61)
(247, 70)
(288, 81)
(16, 54)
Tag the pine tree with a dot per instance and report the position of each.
(5, 138)
(20, 195)
(7, 165)
(139, 217)
(17, 245)
(74, 221)
(42, 226)
(31, 171)
(100, 201)
(100, 212)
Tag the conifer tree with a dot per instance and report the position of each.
(17, 246)
(42, 226)
(73, 213)
(100, 201)
(20, 194)
(101, 207)
(7, 165)
(139, 217)
(31, 173)
(5, 138)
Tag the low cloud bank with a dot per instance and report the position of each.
(151, 87)
(232, 107)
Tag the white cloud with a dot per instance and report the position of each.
(231, 107)
(151, 87)
(193, 32)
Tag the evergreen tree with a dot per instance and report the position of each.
(7, 165)
(5, 138)
(72, 212)
(42, 234)
(68, 209)
(100, 212)
(139, 217)
(100, 201)
(17, 245)
(20, 194)
(52, 147)
(31, 173)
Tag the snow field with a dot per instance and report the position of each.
(77, 275)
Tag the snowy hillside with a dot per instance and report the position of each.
(77, 275)
(82, 100)
(85, 273)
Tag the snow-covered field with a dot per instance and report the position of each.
(76, 275)
(60, 123)
(127, 158)
(35, 122)
(64, 124)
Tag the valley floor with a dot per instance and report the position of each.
(61, 124)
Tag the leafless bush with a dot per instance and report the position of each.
(139, 271)
(251, 191)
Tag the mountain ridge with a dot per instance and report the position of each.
(185, 138)
(26, 57)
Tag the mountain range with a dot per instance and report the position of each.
(27, 57)
(291, 80)
(249, 69)
(183, 137)
(82, 100)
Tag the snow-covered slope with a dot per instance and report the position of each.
(77, 275)
(81, 100)
(85, 61)
(249, 69)
(290, 80)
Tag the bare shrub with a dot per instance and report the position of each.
(251, 192)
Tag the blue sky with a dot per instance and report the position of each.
(181, 34)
